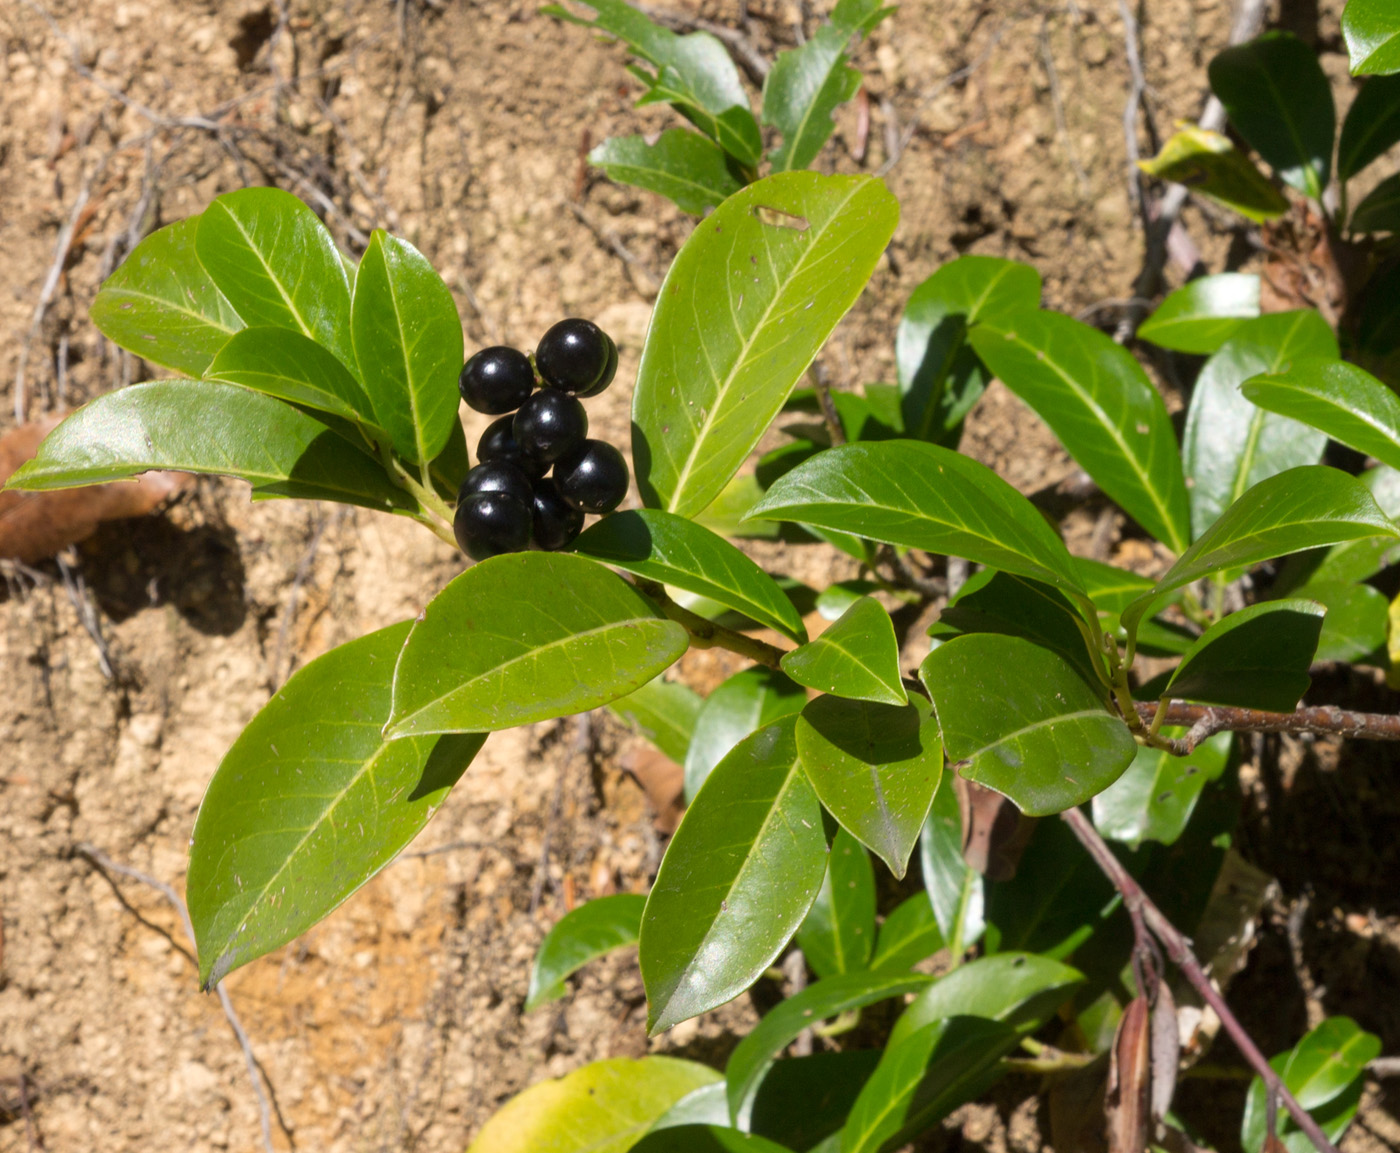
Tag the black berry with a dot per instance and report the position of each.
(577, 356)
(490, 523)
(498, 476)
(497, 380)
(593, 477)
(498, 443)
(556, 521)
(549, 424)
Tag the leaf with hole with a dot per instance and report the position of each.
(161, 305)
(839, 931)
(955, 889)
(664, 712)
(857, 657)
(1155, 798)
(910, 934)
(1211, 166)
(582, 935)
(737, 880)
(1204, 313)
(747, 303)
(294, 368)
(743, 704)
(310, 803)
(527, 637)
(682, 166)
(1371, 29)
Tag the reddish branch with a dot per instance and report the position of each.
(1206, 720)
(1178, 948)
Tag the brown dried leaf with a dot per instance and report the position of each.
(1166, 1051)
(663, 781)
(995, 831)
(1129, 1080)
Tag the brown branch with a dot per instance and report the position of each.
(1178, 948)
(835, 430)
(1205, 721)
(705, 634)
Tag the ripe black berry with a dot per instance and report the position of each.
(593, 477)
(497, 380)
(577, 356)
(498, 476)
(490, 523)
(556, 521)
(498, 443)
(549, 424)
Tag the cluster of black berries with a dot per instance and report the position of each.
(507, 502)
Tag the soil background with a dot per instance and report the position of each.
(461, 124)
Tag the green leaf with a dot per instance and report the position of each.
(1347, 403)
(1203, 314)
(1372, 32)
(205, 427)
(909, 935)
(682, 166)
(805, 1099)
(738, 877)
(162, 306)
(1355, 625)
(705, 1139)
(940, 377)
(922, 496)
(527, 637)
(1352, 561)
(1380, 211)
(278, 266)
(580, 936)
(1371, 127)
(664, 712)
(605, 1107)
(663, 547)
(820, 1001)
(1230, 444)
(835, 599)
(839, 931)
(310, 803)
(408, 338)
(1378, 330)
(706, 1105)
(1257, 658)
(1279, 100)
(924, 1077)
(1302, 508)
(1096, 398)
(748, 701)
(792, 253)
(294, 368)
(1027, 724)
(955, 889)
(1211, 166)
(1318, 1071)
(806, 84)
(875, 768)
(1113, 590)
(1155, 798)
(856, 657)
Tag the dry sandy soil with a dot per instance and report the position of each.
(396, 1024)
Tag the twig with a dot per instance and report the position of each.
(1178, 948)
(76, 588)
(906, 575)
(30, 1133)
(1312, 1002)
(1384, 1067)
(634, 266)
(583, 737)
(706, 634)
(100, 859)
(1057, 104)
(740, 46)
(1207, 720)
(835, 430)
(1136, 88)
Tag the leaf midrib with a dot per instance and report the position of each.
(117, 289)
(1058, 719)
(272, 276)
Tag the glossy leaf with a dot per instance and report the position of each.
(807, 83)
(706, 1105)
(277, 265)
(955, 889)
(1211, 166)
(746, 702)
(1347, 403)
(792, 253)
(1299, 509)
(820, 1001)
(1371, 127)
(1113, 590)
(310, 803)
(937, 372)
(839, 931)
(1279, 100)
(857, 657)
(875, 768)
(582, 935)
(206, 427)
(604, 1107)
(1380, 210)
(1204, 313)
(294, 368)
(738, 877)
(1230, 444)
(682, 166)
(1027, 724)
(667, 548)
(836, 598)
(1096, 398)
(664, 712)
(161, 305)
(705, 1139)
(922, 496)
(1355, 625)
(1372, 32)
(1351, 561)
(527, 637)
(408, 339)
(909, 935)
(805, 1099)
(1155, 798)
(1257, 658)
